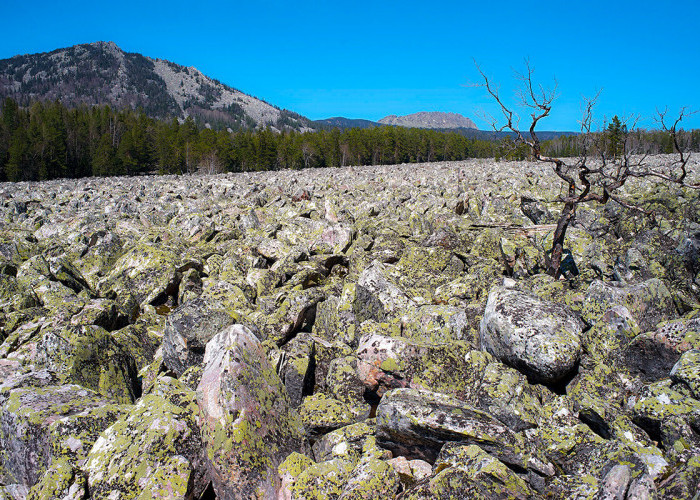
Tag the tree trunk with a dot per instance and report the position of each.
(567, 216)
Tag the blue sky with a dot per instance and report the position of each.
(371, 59)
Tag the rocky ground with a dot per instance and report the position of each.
(379, 332)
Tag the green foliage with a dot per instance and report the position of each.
(616, 133)
(48, 140)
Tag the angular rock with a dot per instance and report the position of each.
(371, 478)
(321, 414)
(470, 472)
(188, 329)
(649, 302)
(296, 312)
(391, 362)
(418, 423)
(90, 357)
(62, 481)
(248, 426)
(652, 355)
(614, 484)
(289, 471)
(143, 275)
(26, 416)
(687, 371)
(322, 480)
(154, 451)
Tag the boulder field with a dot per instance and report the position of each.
(353, 333)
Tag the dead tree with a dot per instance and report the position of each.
(585, 180)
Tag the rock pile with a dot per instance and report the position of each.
(379, 332)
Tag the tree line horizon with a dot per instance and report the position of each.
(47, 140)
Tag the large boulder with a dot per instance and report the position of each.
(155, 451)
(248, 426)
(469, 472)
(649, 302)
(26, 415)
(89, 356)
(418, 423)
(653, 354)
(188, 328)
(145, 274)
(539, 338)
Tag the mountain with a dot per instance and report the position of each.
(344, 123)
(430, 120)
(101, 73)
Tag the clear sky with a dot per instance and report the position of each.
(371, 59)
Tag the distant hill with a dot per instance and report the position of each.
(101, 73)
(492, 135)
(472, 132)
(437, 120)
(344, 123)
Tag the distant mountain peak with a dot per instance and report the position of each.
(101, 73)
(430, 119)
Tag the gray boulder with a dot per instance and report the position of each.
(539, 338)
(26, 415)
(653, 354)
(188, 329)
(418, 423)
(152, 452)
(649, 302)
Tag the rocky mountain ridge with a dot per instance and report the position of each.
(347, 333)
(101, 73)
(430, 119)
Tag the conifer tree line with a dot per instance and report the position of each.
(47, 140)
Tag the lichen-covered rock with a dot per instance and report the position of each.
(540, 339)
(501, 391)
(248, 426)
(418, 423)
(26, 416)
(422, 269)
(188, 329)
(684, 481)
(386, 363)
(155, 451)
(289, 470)
(381, 294)
(371, 478)
(649, 302)
(344, 384)
(607, 338)
(295, 367)
(89, 356)
(410, 471)
(62, 481)
(653, 354)
(103, 249)
(321, 414)
(73, 436)
(143, 338)
(322, 480)
(687, 371)
(296, 312)
(470, 472)
(437, 324)
(14, 296)
(336, 318)
(359, 280)
(140, 276)
(667, 414)
(346, 442)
